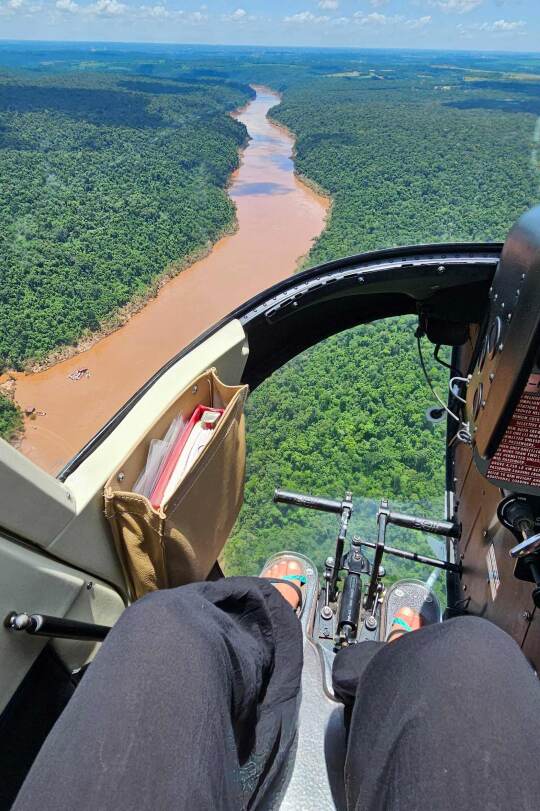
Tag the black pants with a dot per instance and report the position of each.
(191, 702)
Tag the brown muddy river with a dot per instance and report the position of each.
(278, 219)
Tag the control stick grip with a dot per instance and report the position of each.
(328, 505)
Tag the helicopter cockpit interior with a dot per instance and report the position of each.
(66, 582)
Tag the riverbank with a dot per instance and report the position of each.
(121, 317)
(278, 218)
(315, 187)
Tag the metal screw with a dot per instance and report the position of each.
(441, 269)
(90, 585)
(371, 623)
(526, 615)
(326, 612)
(464, 587)
(492, 375)
(194, 389)
(121, 476)
(329, 562)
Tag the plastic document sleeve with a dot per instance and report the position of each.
(183, 455)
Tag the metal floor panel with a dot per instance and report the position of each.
(313, 777)
(316, 782)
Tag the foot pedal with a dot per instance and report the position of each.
(415, 595)
(311, 588)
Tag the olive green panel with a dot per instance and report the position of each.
(31, 582)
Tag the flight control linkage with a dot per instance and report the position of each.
(355, 564)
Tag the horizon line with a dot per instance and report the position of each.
(6, 41)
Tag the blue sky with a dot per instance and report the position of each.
(505, 25)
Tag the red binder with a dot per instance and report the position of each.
(174, 455)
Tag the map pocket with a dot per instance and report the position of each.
(179, 541)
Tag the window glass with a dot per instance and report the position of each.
(348, 414)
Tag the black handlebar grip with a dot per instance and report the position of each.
(328, 505)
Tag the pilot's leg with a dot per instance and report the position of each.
(190, 704)
(447, 717)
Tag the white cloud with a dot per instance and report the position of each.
(329, 5)
(506, 25)
(106, 8)
(11, 7)
(161, 12)
(238, 16)
(419, 22)
(158, 12)
(375, 18)
(457, 6)
(68, 5)
(197, 17)
(304, 17)
(101, 8)
(496, 27)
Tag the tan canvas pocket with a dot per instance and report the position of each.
(180, 542)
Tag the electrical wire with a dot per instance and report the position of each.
(430, 384)
(443, 362)
(451, 387)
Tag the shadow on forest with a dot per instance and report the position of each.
(104, 107)
(501, 105)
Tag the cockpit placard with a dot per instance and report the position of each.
(517, 459)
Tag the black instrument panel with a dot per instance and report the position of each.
(503, 394)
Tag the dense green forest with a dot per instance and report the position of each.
(347, 414)
(404, 166)
(11, 420)
(105, 182)
(126, 152)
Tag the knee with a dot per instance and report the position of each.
(473, 644)
(473, 635)
(163, 616)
